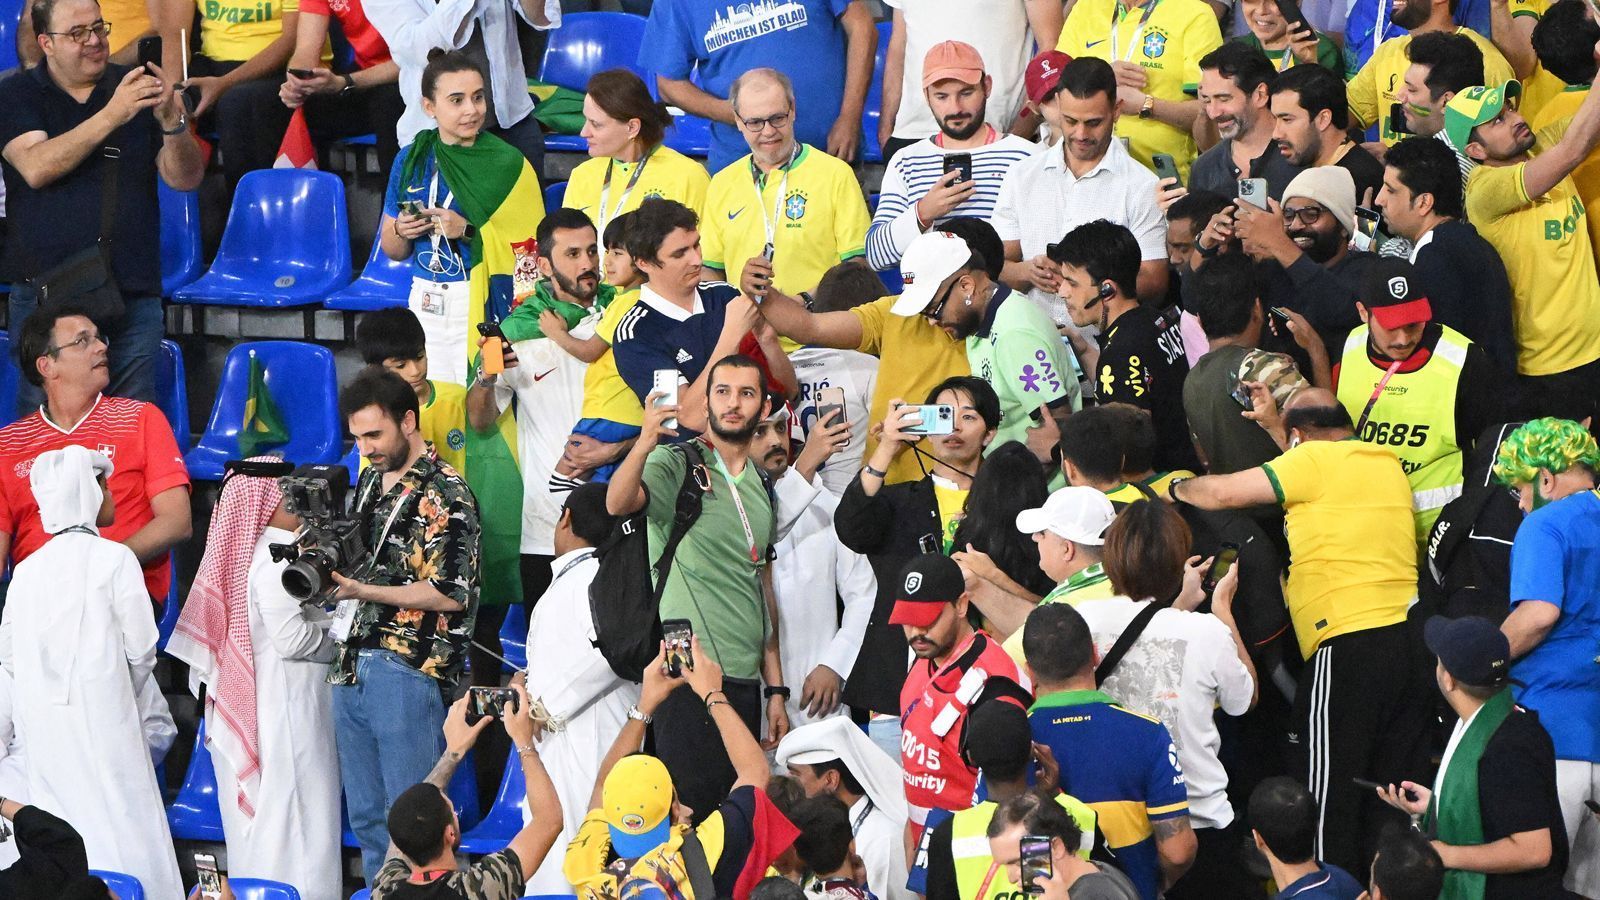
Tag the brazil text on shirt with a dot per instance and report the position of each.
(914, 171)
(242, 15)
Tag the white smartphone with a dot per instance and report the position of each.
(665, 382)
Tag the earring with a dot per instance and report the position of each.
(968, 301)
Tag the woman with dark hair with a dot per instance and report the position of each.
(1180, 666)
(627, 162)
(1008, 482)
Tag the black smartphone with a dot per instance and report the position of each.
(210, 880)
(1397, 119)
(1034, 857)
(959, 162)
(1166, 167)
(303, 74)
(1280, 312)
(1219, 569)
(678, 633)
(1291, 13)
(1374, 786)
(490, 702)
(150, 51)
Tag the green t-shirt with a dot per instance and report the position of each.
(1019, 352)
(1328, 55)
(714, 582)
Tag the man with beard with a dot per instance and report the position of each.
(718, 579)
(1305, 243)
(807, 213)
(1234, 90)
(1013, 346)
(1378, 86)
(921, 188)
(1417, 387)
(1311, 115)
(1522, 199)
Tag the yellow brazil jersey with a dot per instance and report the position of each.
(820, 221)
(1169, 44)
(916, 356)
(1347, 513)
(605, 394)
(236, 30)
(1376, 87)
(129, 19)
(1586, 177)
(666, 173)
(1549, 254)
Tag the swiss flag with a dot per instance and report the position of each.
(296, 151)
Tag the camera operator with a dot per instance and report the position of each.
(405, 615)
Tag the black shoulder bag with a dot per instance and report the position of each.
(85, 278)
(1125, 641)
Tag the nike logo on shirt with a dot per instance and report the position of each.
(1092, 43)
(735, 214)
(538, 378)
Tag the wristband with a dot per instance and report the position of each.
(708, 701)
(775, 691)
(711, 703)
(871, 471)
(1172, 489)
(1207, 252)
(528, 750)
(180, 128)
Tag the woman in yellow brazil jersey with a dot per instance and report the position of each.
(624, 126)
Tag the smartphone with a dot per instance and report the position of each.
(939, 418)
(1166, 167)
(677, 633)
(150, 52)
(210, 880)
(1035, 859)
(829, 401)
(1370, 233)
(1219, 569)
(1593, 806)
(1254, 192)
(491, 702)
(411, 207)
(494, 352)
(958, 162)
(665, 383)
(303, 74)
(1397, 119)
(1241, 396)
(1374, 786)
(768, 252)
(1279, 311)
(1291, 13)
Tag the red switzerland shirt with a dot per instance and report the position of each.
(136, 438)
(933, 707)
(365, 40)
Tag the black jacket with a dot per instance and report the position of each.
(51, 855)
(889, 528)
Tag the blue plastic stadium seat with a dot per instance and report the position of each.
(590, 42)
(361, 140)
(9, 375)
(194, 816)
(261, 889)
(565, 143)
(553, 194)
(169, 609)
(181, 263)
(514, 635)
(505, 816)
(363, 894)
(286, 243)
(383, 282)
(126, 886)
(872, 112)
(172, 393)
(690, 135)
(306, 395)
(10, 12)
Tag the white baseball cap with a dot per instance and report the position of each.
(932, 257)
(1080, 514)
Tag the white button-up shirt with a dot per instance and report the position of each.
(411, 28)
(1041, 200)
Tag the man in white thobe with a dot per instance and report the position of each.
(585, 702)
(836, 757)
(79, 638)
(812, 570)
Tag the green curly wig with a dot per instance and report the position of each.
(1553, 444)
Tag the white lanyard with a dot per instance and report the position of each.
(1116, 26)
(744, 520)
(438, 268)
(771, 224)
(606, 212)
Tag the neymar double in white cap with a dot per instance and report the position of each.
(1079, 514)
(932, 257)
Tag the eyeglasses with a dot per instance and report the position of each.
(100, 28)
(756, 126)
(1308, 215)
(83, 341)
(932, 313)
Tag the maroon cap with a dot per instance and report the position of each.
(1043, 75)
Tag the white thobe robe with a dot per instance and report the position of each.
(81, 645)
(295, 835)
(13, 769)
(881, 844)
(811, 573)
(576, 684)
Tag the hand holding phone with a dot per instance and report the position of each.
(1254, 192)
(494, 349)
(491, 702)
(1166, 168)
(149, 50)
(678, 634)
(210, 880)
(960, 163)
(1034, 856)
(830, 407)
(664, 383)
(1225, 557)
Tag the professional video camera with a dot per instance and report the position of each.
(332, 539)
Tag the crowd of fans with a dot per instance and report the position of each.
(1211, 509)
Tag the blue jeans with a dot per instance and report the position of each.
(135, 341)
(388, 728)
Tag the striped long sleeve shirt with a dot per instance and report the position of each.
(913, 172)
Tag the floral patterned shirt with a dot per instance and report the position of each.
(434, 537)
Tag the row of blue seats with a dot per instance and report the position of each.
(128, 887)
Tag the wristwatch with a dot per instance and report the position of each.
(1172, 488)
(637, 714)
(180, 128)
(775, 691)
(1148, 109)
(349, 85)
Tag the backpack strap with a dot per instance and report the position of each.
(691, 496)
(1145, 489)
(1108, 664)
(699, 870)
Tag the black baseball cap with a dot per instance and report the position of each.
(1472, 649)
(926, 585)
(1393, 294)
(998, 735)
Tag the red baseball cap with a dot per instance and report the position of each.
(952, 59)
(1043, 75)
(1393, 294)
(927, 585)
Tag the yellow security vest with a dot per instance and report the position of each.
(977, 875)
(1415, 418)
